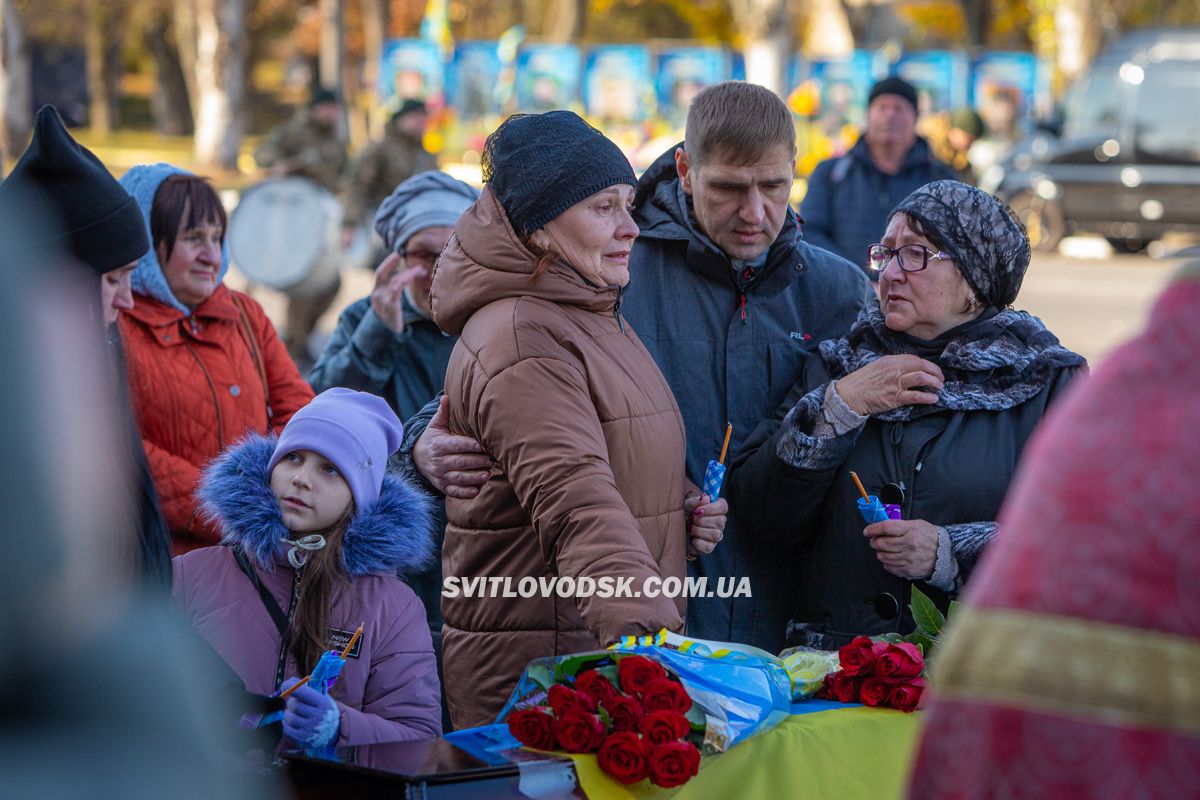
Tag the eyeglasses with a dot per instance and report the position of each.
(419, 258)
(911, 257)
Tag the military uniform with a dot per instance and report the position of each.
(379, 169)
(308, 150)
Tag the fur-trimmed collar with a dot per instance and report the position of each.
(395, 534)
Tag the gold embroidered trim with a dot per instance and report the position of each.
(1107, 673)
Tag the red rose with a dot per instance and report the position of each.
(578, 732)
(595, 685)
(907, 696)
(533, 727)
(900, 662)
(565, 700)
(874, 692)
(625, 757)
(666, 695)
(660, 727)
(858, 657)
(624, 711)
(843, 686)
(635, 673)
(673, 763)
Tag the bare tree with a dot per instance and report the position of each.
(16, 83)
(102, 43)
(569, 19)
(218, 86)
(766, 26)
(374, 27)
(169, 103)
(828, 33)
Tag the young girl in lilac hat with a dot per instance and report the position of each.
(314, 533)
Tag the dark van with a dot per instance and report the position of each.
(1123, 158)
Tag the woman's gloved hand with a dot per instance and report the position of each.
(310, 718)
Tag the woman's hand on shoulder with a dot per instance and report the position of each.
(906, 548)
(890, 382)
(705, 522)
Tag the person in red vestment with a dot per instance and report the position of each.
(1074, 670)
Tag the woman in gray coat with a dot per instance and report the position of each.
(935, 392)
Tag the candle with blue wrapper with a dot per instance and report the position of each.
(714, 475)
(868, 505)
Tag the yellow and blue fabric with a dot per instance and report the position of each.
(823, 749)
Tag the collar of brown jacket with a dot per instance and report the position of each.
(485, 261)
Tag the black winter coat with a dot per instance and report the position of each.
(954, 466)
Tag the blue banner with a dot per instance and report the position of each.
(411, 68)
(940, 78)
(471, 83)
(618, 85)
(1006, 89)
(548, 77)
(843, 86)
(682, 72)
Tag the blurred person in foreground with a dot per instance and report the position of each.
(95, 221)
(729, 300)
(104, 693)
(1073, 670)
(547, 375)
(935, 390)
(849, 197)
(205, 364)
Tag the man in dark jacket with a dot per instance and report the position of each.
(729, 300)
(849, 197)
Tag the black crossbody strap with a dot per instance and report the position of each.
(282, 621)
(277, 616)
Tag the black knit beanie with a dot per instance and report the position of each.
(539, 165)
(98, 222)
(897, 86)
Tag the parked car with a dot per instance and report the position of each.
(1122, 159)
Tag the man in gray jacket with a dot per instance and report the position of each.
(729, 300)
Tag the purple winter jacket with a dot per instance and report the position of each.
(388, 693)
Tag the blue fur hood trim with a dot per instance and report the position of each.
(393, 535)
(142, 182)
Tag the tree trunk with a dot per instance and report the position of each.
(570, 16)
(220, 81)
(978, 16)
(828, 33)
(1073, 27)
(16, 83)
(169, 102)
(185, 42)
(766, 26)
(102, 41)
(333, 38)
(374, 27)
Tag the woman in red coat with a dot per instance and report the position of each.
(205, 364)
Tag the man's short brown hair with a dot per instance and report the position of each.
(738, 121)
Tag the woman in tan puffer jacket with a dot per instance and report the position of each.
(586, 438)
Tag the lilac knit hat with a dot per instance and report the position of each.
(355, 431)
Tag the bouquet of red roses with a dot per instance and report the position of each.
(632, 713)
(877, 673)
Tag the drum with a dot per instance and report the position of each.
(285, 233)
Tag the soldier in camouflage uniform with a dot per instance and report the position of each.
(384, 165)
(308, 146)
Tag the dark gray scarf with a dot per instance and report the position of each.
(994, 362)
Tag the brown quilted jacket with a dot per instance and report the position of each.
(589, 448)
(196, 389)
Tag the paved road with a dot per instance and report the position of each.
(1092, 304)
